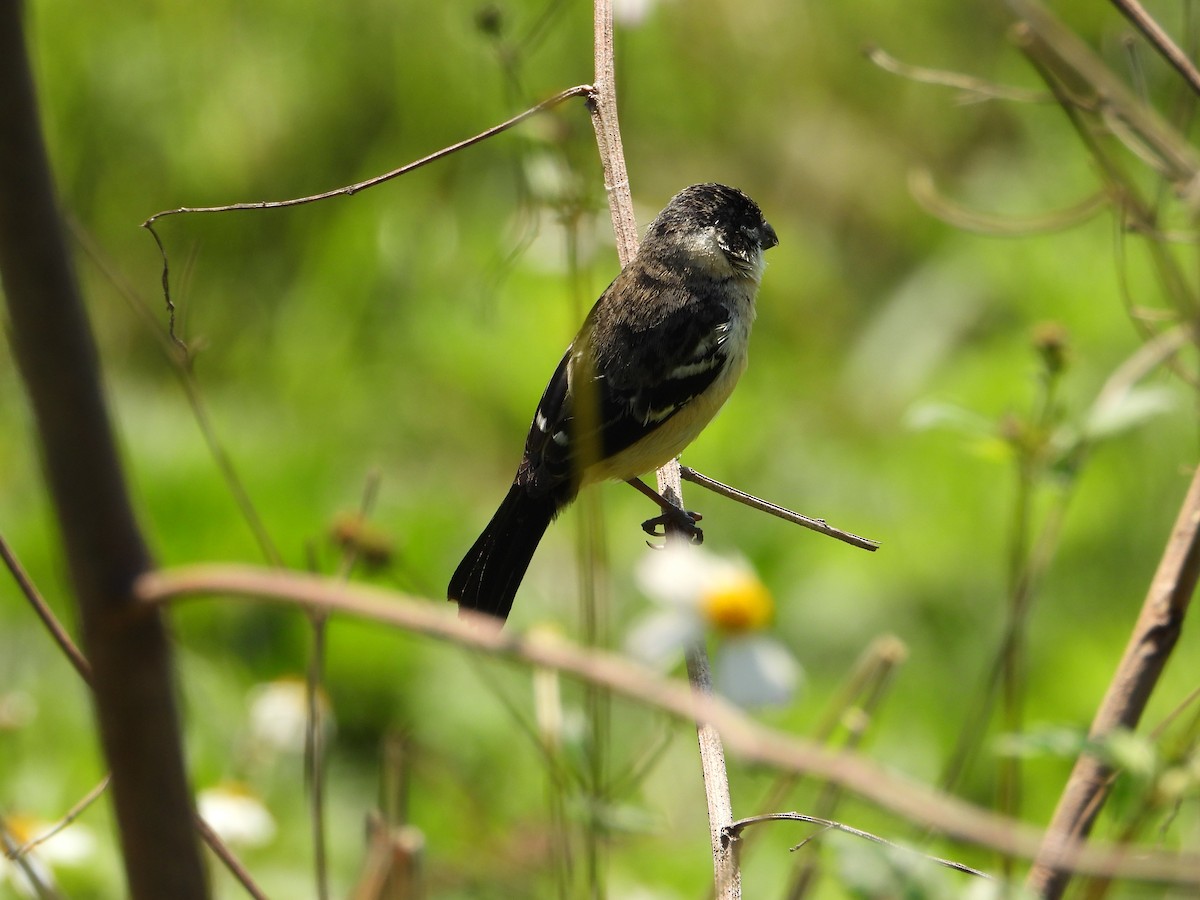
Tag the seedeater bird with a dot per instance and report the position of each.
(655, 359)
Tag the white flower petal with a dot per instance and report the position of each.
(632, 13)
(672, 575)
(757, 671)
(279, 714)
(659, 638)
(236, 816)
(680, 574)
(73, 846)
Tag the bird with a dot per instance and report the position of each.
(653, 362)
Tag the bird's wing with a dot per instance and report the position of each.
(661, 367)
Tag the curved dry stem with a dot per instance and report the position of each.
(1153, 638)
(925, 191)
(974, 89)
(752, 742)
(580, 90)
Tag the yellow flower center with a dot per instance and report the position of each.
(738, 605)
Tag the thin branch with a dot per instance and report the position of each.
(974, 88)
(314, 718)
(225, 465)
(39, 885)
(132, 668)
(314, 750)
(818, 525)
(83, 667)
(923, 189)
(1154, 636)
(726, 868)
(179, 358)
(231, 862)
(1160, 40)
(1082, 73)
(70, 816)
(42, 608)
(603, 105)
(753, 742)
(855, 708)
(734, 832)
(580, 90)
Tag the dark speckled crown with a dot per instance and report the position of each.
(702, 206)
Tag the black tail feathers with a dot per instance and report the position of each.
(488, 577)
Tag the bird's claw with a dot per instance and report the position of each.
(681, 519)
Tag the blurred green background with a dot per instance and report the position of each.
(408, 331)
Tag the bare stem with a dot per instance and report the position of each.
(42, 608)
(83, 667)
(818, 525)
(973, 88)
(1153, 638)
(1160, 40)
(734, 832)
(751, 741)
(70, 816)
(603, 105)
(602, 102)
(580, 90)
(130, 655)
(716, 783)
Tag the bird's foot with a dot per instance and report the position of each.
(674, 518)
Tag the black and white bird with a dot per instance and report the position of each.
(657, 356)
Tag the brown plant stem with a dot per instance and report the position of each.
(580, 90)
(83, 667)
(726, 869)
(603, 106)
(752, 742)
(42, 608)
(818, 525)
(1160, 40)
(734, 833)
(126, 643)
(1153, 638)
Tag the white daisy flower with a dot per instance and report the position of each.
(236, 814)
(700, 594)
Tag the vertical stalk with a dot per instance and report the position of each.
(603, 106)
(125, 641)
(1150, 644)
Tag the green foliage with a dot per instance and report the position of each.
(408, 331)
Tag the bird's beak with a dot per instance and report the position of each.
(768, 237)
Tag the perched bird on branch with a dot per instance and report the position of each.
(656, 358)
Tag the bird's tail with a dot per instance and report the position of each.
(488, 577)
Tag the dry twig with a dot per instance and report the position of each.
(818, 525)
(753, 742)
(1160, 40)
(57, 357)
(603, 106)
(56, 629)
(734, 832)
(1153, 638)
